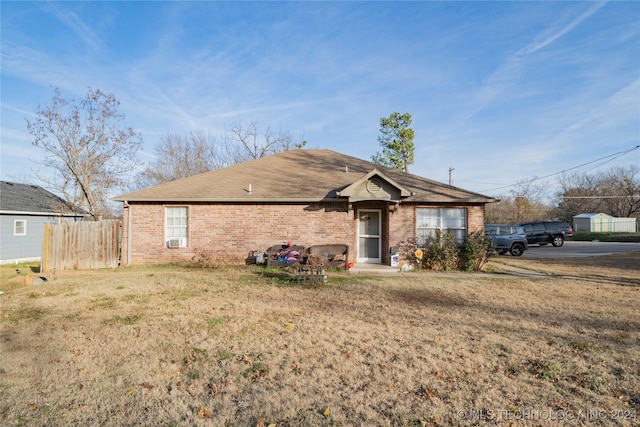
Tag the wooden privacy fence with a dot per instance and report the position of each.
(81, 245)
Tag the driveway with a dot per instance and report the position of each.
(579, 249)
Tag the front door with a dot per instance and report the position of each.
(369, 226)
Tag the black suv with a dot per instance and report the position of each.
(545, 232)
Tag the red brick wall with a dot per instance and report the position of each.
(240, 229)
(475, 218)
(402, 224)
(236, 229)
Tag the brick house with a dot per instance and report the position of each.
(308, 197)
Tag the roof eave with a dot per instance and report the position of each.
(297, 200)
(468, 200)
(234, 200)
(41, 213)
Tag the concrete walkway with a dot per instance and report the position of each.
(373, 269)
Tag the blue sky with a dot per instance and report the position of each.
(500, 91)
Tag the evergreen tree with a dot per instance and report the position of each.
(396, 141)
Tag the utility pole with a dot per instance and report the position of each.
(450, 170)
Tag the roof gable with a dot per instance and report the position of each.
(375, 186)
(305, 175)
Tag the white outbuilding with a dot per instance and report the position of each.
(600, 222)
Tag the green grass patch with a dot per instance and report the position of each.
(27, 313)
(585, 346)
(126, 320)
(179, 295)
(216, 321)
(193, 374)
(544, 369)
(71, 317)
(223, 355)
(103, 302)
(135, 298)
(590, 380)
(196, 355)
(35, 295)
(257, 371)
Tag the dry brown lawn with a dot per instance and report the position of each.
(172, 346)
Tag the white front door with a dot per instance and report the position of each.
(369, 241)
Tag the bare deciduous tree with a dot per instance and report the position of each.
(87, 145)
(249, 141)
(502, 212)
(576, 195)
(615, 192)
(522, 204)
(527, 196)
(620, 189)
(513, 210)
(180, 156)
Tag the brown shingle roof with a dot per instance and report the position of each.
(294, 176)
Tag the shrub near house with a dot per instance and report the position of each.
(441, 253)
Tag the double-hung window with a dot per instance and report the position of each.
(176, 222)
(19, 227)
(428, 220)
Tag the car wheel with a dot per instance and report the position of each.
(557, 241)
(517, 249)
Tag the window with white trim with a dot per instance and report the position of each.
(19, 227)
(176, 220)
(428, 220)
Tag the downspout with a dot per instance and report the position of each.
(128, 208)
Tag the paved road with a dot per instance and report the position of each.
(580, 249)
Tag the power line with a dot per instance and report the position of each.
(610, 158)
(600, 197)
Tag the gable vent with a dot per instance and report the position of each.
(374, 185)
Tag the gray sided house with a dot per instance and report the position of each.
(24, 210)
(306, 197)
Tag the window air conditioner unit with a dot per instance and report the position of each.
(174, 243)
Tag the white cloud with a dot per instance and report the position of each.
(510, 70)
(73, 22)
